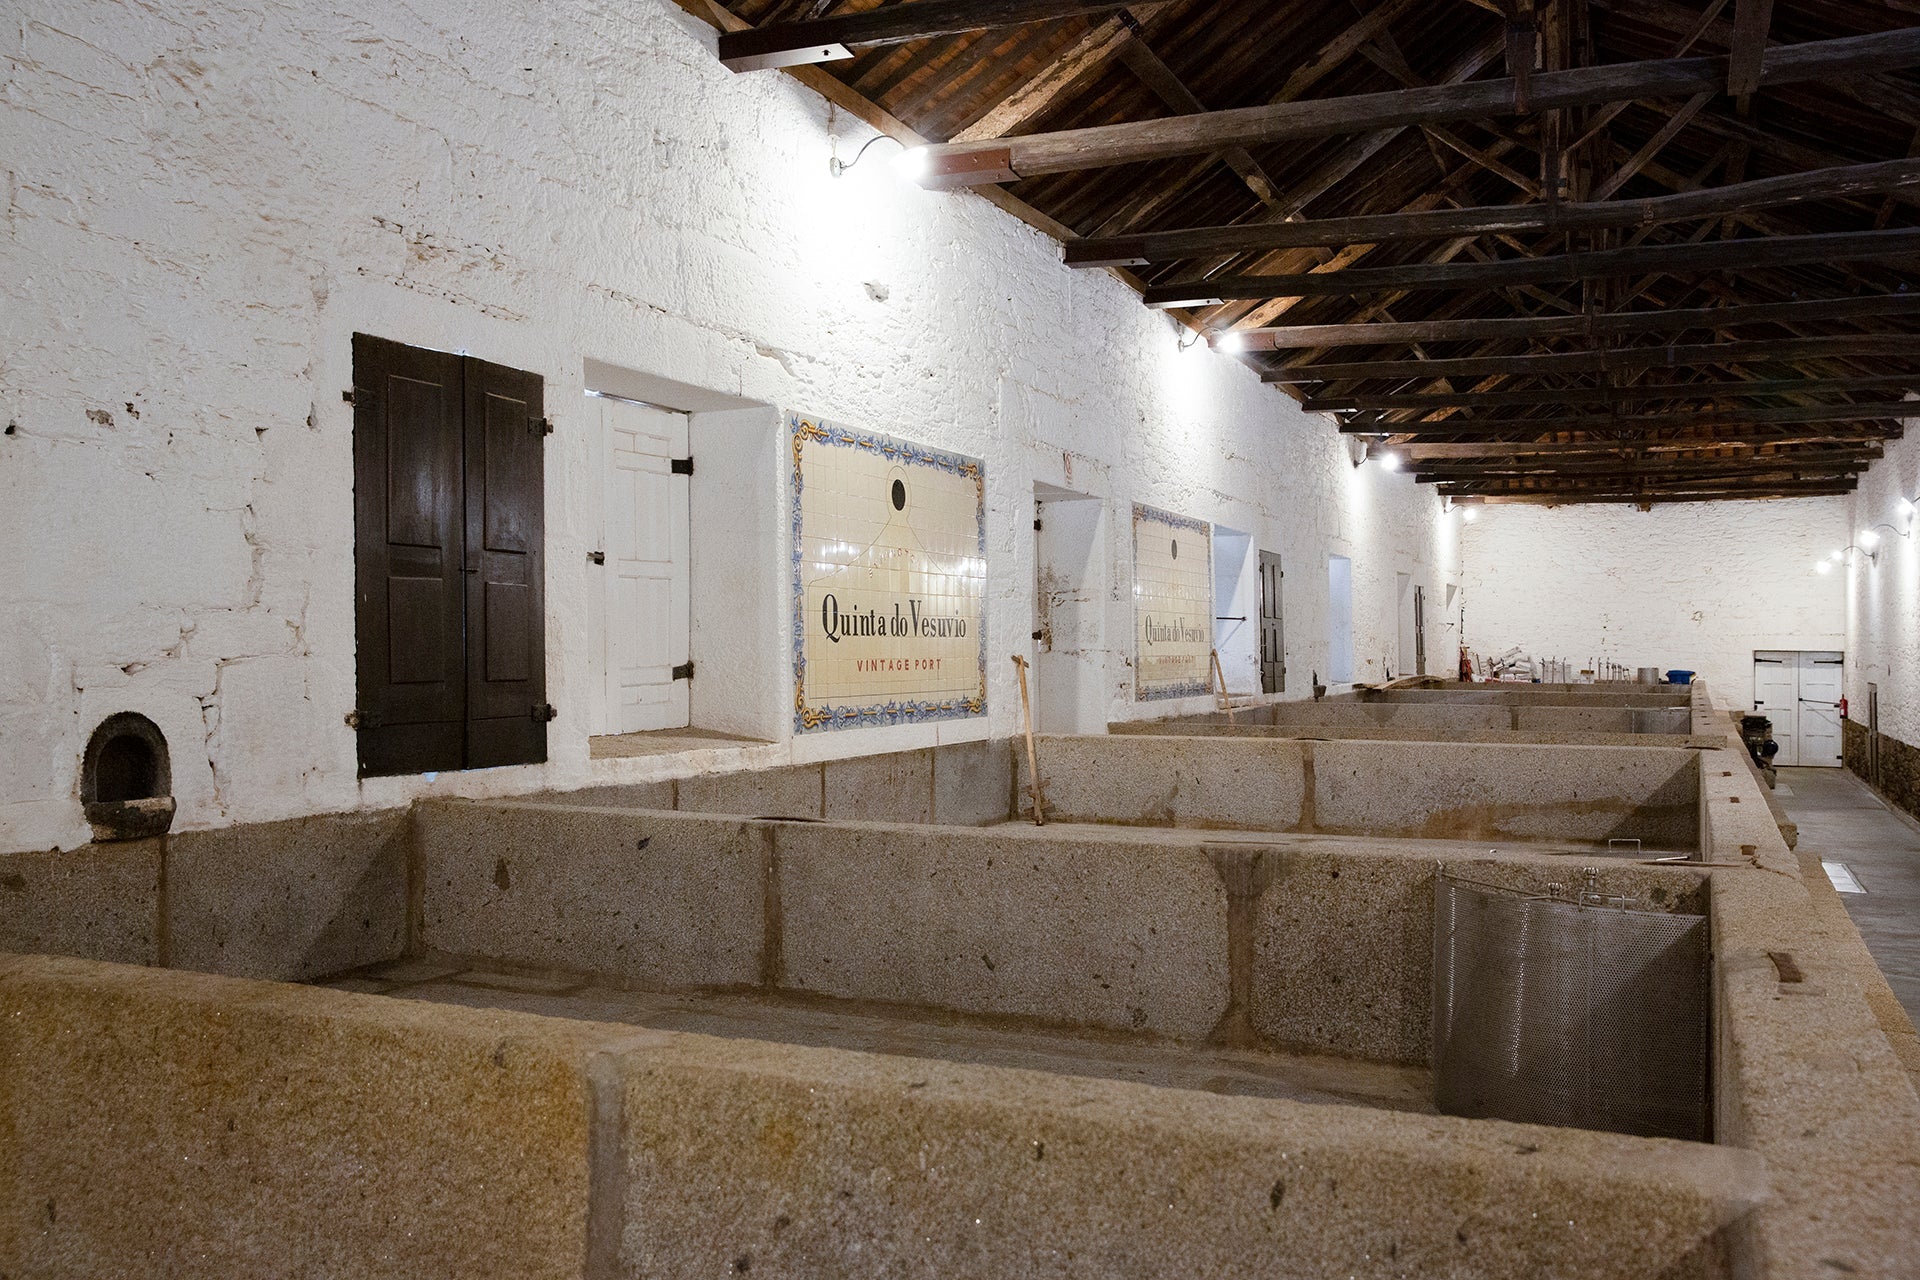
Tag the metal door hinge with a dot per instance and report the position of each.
(540, 426)
(680, 466)
(354, 720)
(348, 395)
(598, 557)
(684, 671)
(544, 711)
(1036, 524)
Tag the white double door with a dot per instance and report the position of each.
(1799, 691)
(645, 609)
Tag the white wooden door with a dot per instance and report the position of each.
(1776, 695)
(1820, 709)
(647, 608)
(1069, 620)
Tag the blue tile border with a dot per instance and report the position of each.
(1191, 688)
(810, 717)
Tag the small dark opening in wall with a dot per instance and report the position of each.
(127, 770)
(126, 779)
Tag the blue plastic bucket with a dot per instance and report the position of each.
(1679, 677)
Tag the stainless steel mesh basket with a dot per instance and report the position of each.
(1570, 1010)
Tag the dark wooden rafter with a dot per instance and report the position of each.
(1704, 355)
(1697, 446)
(1285, 337)
(969, 164)
(830, 39)
(1823, 184)
(1502, 242)
(1753, 253)
(1512, 394)
(1751, 416)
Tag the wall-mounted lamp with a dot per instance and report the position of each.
(1230, 343)
(1388, 461)
(912, 161)
(1470, 513)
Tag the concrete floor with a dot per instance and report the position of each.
(876, 1029)
(1841, 820)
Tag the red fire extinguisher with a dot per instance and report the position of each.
(1843, 708)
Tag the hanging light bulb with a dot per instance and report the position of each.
(1389, 461)
(1868, 539)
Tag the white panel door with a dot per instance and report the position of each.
(1776, 695)
(647, 607)
(1070, 621)
(1820, 708)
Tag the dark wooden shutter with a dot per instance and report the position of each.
(409, 540)
(506, 651)
(449, 516)
(1273, 641)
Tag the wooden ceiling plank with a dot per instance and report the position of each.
(1057, 82)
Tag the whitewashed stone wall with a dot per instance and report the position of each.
(204, 202)
(1693, 585)
(1883, 594)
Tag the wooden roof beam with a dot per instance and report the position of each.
(1717, 319)
(1750, 21)
(1648, 499)
(1523, 395)
(1896, 345)
(1753, 253)
(999, 160)
(792, 44)
(1882, 411)
(1443, 450)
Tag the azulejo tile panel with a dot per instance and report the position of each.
(889, 580)
(1172, 604)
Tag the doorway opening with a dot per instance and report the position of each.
(1339, 620)
(645, 638)
(1273, 628)
(1799, 692)
(1069, 623)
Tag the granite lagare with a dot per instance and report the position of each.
(169, 1124)
(101, 901)
(1477, 791)
(662, 898)
(1343, 940)
(1170, 782)
(289, 900)
(817, 1163)
(1083, 932)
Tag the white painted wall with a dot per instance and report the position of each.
(1883, 593)
(204, 203)
(1696, 585)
